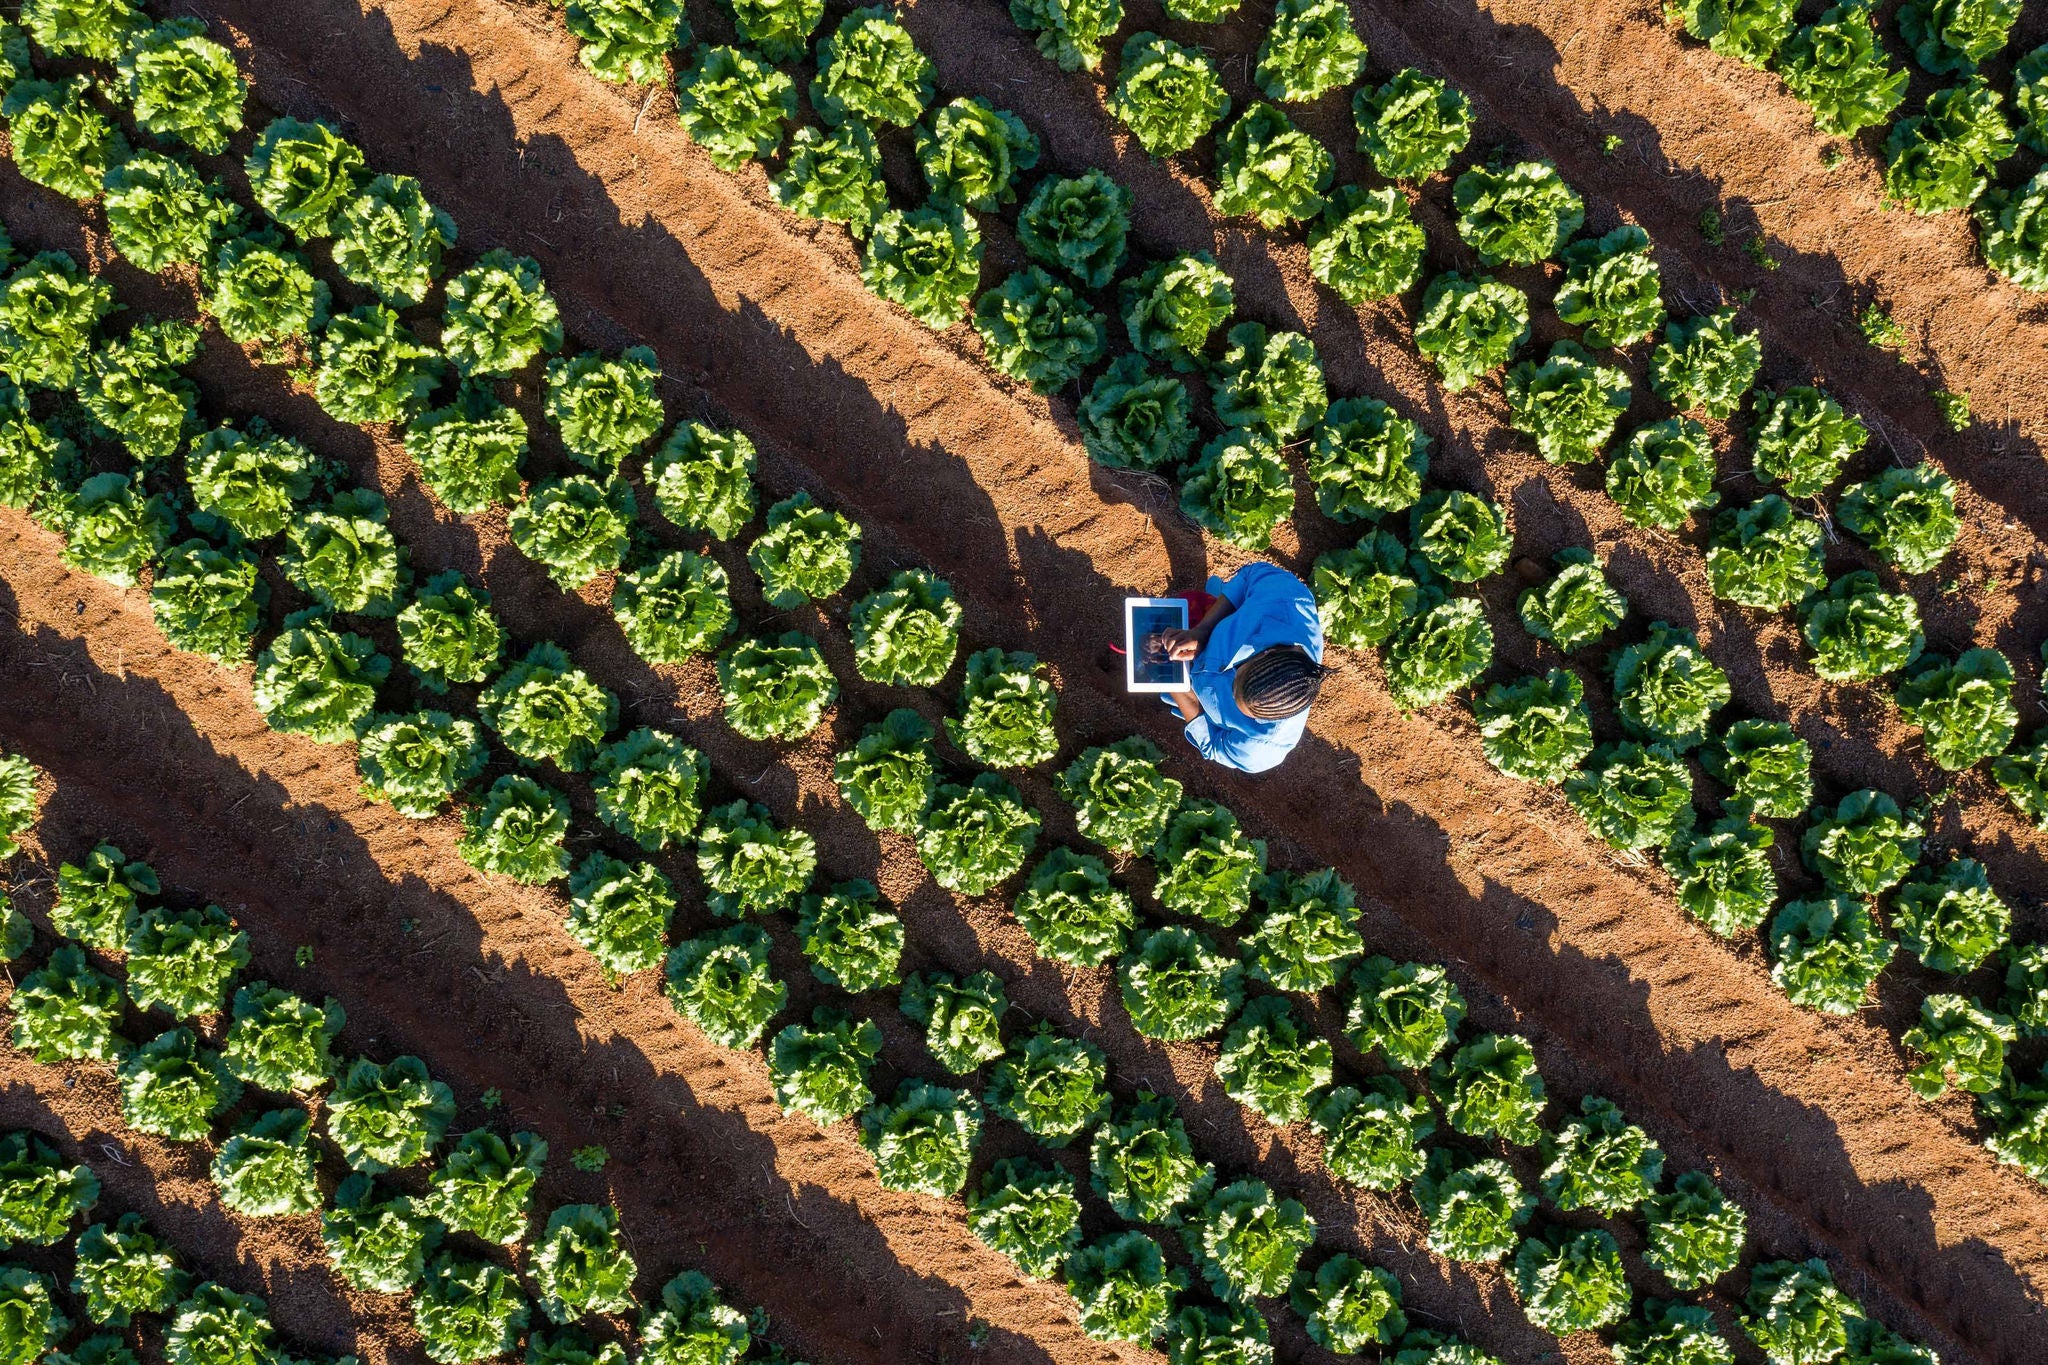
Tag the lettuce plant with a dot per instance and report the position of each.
(1071, 32)
(31, 1324)
(1270, 170)
(961, 1017)
(1490, 1088)
(547, 710)
(1412, 125)
(1536, 729)
(468, 1310)
(692, 1325)
(2030, 99)
(1952, 920)
(1907, 515)
(17, 816)
(1272, 383)
(301, 174)
(1074, 911)
(216, 1324)
(1858, 632)
(1633, 796)
(1437, 652)
(1837, 68)
(925, 261)
(579, 1266)
(389, 239)
(181, 961)
(1568, 405)
(499, 316)
(1271, 1064)
(923, 1140)
(61, 140)
(1828, 953)
(1571, 1281)
(628, 41)
(1963, 1044)
(1144, 1165)
(1310, 48)
(1123, 1288)
(971, 154)
(576, 527)
(1671, 1333)
(2018, 1114)
(344, 556)
(1793, 1312)
(1053, 1087)
(1134, 419)
(1517, 215)
(1747, 30)
(484, 1186)
(1964, 707)
(449, 634)
(1367, 244)
(1950, 37)
(111, 528)
(1200, 1335)
(1167, 94)
(278, 1041)
(48, 310)
(385, 1118)
(1472, 1207)
(39, 1195)
(1803, 438)
(14, 64)
(1367, 460)
(2022, 772)
(371, 368)
(1307, 938)
(66, 1010)
(1664, 474)
(1667, 690)
(620, 912)
(776, 689)
(1406, 1012)
(1029, 1213)
(92, 29)
(703, 479)
(751, 865)
(1171, 309)
(1870, 1340)
(907, 634)
(974, 838)
(604, 407)
(517, 831)
(834, 176)
(1612, 288)
(266, 1169)
(1696, 1234)
(2012, 226)
(734, 105)
(870, 68)
(1469, 328)
(852, 938)
(807, 553)
(1724, 877)
(1247, 1242)
(1599, 1162)
(821, 1072)
(262, 293)
(378, 1245)
(675, 608)
(1240, 488)
(649, 787)
(1038, 331)
(173, 1088)
(722, 983)
(1364, 593)
(1006, 711)
(1943, 158)
(1372, 1138)
(1177, 986)
(317, 681)
(36, 459)
(1208, 867)
(1078, 225)
(889, 775)
(132, 389)
(1704, 364)
(98, 904)
(161, 214)
(1577, 606)
(1866, 847)
(418, 761)
(1120, 798)
(208, 601)
(122, 1269)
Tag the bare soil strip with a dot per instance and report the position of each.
(915, 439)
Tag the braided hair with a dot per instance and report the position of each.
(1277, 682)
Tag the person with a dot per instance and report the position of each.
(1256, 656)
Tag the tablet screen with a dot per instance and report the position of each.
(1145, 669)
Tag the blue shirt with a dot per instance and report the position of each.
(1271, 607)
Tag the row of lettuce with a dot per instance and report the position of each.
(549, 712)
(1369, 464)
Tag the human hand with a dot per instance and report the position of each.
(1180, 646)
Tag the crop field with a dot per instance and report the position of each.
(566, 795)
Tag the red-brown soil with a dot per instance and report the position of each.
(1806, 1120)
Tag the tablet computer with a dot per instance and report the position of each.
(1145, 670)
